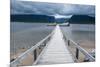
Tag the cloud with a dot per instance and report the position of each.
(78, 9)
(22, 7)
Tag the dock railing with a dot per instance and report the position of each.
(79, 53)
(30, 56)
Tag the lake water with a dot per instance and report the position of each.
(26, 35)
(84, 34)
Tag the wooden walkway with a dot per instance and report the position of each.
(51, 50)
(56, 50)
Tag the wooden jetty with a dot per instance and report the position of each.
(53, 49)
(56, 50)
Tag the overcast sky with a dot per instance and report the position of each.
(55, 9)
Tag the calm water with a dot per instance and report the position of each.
(28, 34)
(84, 34)
(25, 35)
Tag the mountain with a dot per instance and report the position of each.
(31, 18)
(61, 20)
(82, 19)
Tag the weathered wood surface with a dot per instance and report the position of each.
(56, 50)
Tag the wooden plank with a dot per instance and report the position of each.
(56, 50)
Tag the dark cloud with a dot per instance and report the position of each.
(22, 7)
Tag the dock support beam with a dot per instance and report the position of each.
(68, 42)
(35, 54)
(77, 53)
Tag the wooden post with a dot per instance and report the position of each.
(48, 39)
(68, 42)
(63, 37)
(45, 43)
(35, 54)
(77, 53)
